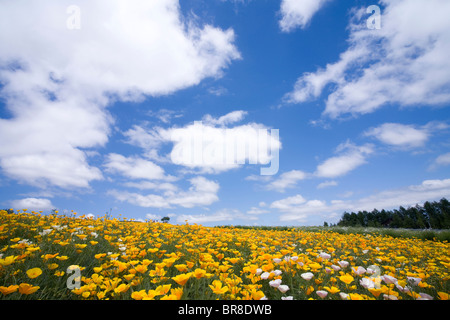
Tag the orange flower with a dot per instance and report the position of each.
(181, 279)
(8, 290)
(25, 288)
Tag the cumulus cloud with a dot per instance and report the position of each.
(133, 167)
(32, 204)
(57, 82)
(404, 62)
(442, 160)
(202, 192)
(210, 146)
(298, 13)
(349, 158)
(286, 180)
(397, 134)
(405, 136)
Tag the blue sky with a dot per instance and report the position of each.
(100, 102)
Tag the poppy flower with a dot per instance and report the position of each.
(34, 273)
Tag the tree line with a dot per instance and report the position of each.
(432, 215)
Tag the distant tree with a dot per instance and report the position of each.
(325, 224)
(434, 215)
(165, 219)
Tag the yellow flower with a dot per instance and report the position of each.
(181, 267)
(8, 260)
(141, 268)
(162, 290)
(122, 288)
(34, 273)
(7, 290)
(199, 273)
(52, 266)
(443, 295)
(217, 288)
(25, 288)
(347, 279)
(128, 277)
(181, 279)
(375, 292)
(138, 295)
(86, 294)
(332, 289)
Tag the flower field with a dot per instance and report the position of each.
(40, 256)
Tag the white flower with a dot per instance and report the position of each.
(359, 271)
(424, 296)
(258, 271)
(388, 279)
(277, 272)
(324, 255)
(402, 289)
(287, 258)
(367, 283)
(365, 251)
(307, 275)
(294, 258)
(287, 298)
(335, 267)
(343, 263)
(283, 288)
(276, 260)
(275, 283)
(414, 281)
(265, 275)
(322, 293)
(389, 297)
(343, 295)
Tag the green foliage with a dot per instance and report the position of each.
(432, 215)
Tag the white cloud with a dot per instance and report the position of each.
(288, 203)
(286, 180)
(404, 62)
(350, 157)
(229, 118)
(210, 149)
(442, 160)
(58, 82)
(256, 211)
(405, 136)
(428, 190)
(133, 167)
(297, 13)
(32, 204)
(202, 192)
(399, 135)
(327, 184)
